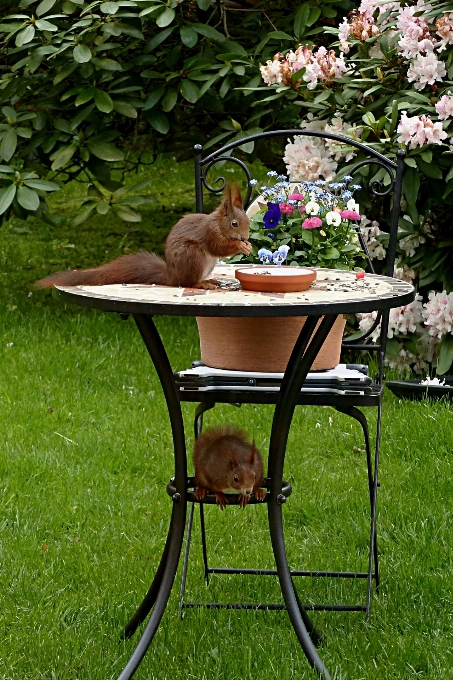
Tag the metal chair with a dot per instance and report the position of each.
(347, 404)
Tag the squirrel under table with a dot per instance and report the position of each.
(143, 302)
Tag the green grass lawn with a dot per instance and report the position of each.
(86, 454)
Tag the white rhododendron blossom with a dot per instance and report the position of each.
(444, 107)
(370, 231)
(321, 65)
(404, 272)
(426, 70)
(438, 314)
(419, 130)
(402, 320)
(444, 29)
(308, 159)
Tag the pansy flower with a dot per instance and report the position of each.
(280, 255)
(273, 216)
(265, 256)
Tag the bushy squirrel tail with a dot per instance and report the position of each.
(141, 267)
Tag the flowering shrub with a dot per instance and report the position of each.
(386, 80)
(307, 222)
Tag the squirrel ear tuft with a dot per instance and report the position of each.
(236, 198)
(232, 196)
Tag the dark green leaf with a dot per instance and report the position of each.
(9, 143)
(25, 36)
(103, 101)
(10, 113)
(44, 7)
(190, 91)
(301, 19)
(154, 97)
(158, 121)
(445, 354)
(64, 73)
(102, 208)
(429, 169)
(44, 25)
(166, 17)
(62, 156)
(188, 36)
(125, 109)
(105, 150)
(204, 4)
(107, 64)
(315, 13)
(80, 117)
(209, 32)
(127, 214)
(6, 197)
(169, 101)
(85, 96)
(83, 215)
(81, 53)
(27, 198)
(41, 184)
(109, 7)
(160, 37)
(411, 185)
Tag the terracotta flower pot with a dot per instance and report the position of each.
(261, 344)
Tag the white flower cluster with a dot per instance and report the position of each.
(438, 314)
(370, 232)
(320, 65)
(361, 23)
(309, 158)
(419, 130)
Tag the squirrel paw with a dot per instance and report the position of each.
(243, 500)
(260, 494)
(221, 499)
(201, 493)
(209, 284)
(245, 247)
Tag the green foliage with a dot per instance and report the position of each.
(88, 88)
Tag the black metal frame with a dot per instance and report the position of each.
(345, 403)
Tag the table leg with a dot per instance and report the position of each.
(165, 576)
(299, 364)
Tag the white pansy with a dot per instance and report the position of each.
(312, 208)
(334, 218)
(352, 205)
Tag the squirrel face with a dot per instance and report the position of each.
(241, 477)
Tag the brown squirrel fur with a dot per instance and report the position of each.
(224, 459)
(191, 250)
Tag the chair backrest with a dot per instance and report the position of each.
(393, 169)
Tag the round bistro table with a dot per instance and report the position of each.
(334, 293)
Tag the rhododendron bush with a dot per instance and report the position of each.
(384, 76)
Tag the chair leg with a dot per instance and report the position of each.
(203, 545)
(355, 413)
(186, 559)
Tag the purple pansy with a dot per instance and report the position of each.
(273, 216)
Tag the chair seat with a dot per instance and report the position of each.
(344, 385)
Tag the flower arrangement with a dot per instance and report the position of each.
(307, 223)
(386, 79)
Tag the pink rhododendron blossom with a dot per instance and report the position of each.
(312, 223)
(426, 70)
(286, 208)
(370, 231)
(320, 65)
(438, 313)
(350, 215)
(419, 130)
(444, 107)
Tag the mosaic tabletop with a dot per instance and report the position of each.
(333, 292)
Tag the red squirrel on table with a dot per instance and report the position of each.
(192, 248)
(224, 459)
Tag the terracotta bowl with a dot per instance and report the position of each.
(276, 279)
